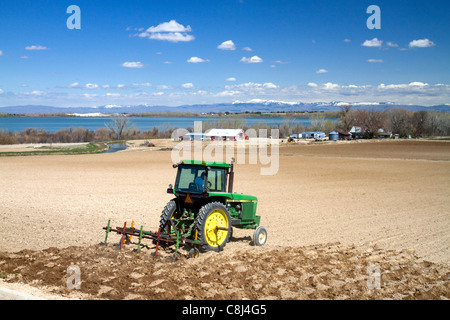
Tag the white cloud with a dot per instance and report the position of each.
(113, 95)
(91, 86)
(168, 62)
(231, 79)
(330, 86)
(171, 37)
(252, 87)
(228, 93)
(247, 49)
(145, 84)
(37, 93)
(74, 85)
(1, 52)
(254, 59)
(418, 84)
(347, 40)
(375, 60)
(391, 44)
(171, 26)
(34, 47)
(321, 71)
(421, 43)
(187, 85)
(169, 31)
(24, 57)
(1, 91)
(227, 45)
(136, 64)
(270, 85)
(372, 43)
(163, 87)
(312, 85)
(196, 60)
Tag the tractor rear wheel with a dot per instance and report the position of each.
(213, 226)
(169, 212)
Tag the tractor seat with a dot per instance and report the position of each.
(193, 187)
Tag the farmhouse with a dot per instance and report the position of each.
(356, 132)
(225, 134)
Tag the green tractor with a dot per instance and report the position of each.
(203, 212)
(205, 209)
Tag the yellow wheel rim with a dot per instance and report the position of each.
(214, 236)
(262, 237)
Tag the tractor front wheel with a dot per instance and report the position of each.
(213, 226)
(260, 236)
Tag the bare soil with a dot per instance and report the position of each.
(335, 214)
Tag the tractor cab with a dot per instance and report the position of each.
(194, 178)
(200, 178)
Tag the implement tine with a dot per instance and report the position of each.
(123, 235)
(157, 241)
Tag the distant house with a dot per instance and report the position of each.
(225, 134)
(356, 132)
(382, 134)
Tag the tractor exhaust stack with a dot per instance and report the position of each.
(231, 178)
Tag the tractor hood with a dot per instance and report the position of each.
(238, 197)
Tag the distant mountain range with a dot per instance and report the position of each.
(256, 105)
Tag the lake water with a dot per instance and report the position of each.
(114, 147)
(52, 124)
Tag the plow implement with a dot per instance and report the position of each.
(159, 238)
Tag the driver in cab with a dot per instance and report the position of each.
(200, 181)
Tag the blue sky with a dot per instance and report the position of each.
(194, 52)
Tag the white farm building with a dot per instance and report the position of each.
(225, 134)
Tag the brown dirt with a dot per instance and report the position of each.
(332, 211)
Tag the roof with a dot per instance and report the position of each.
(224, 132)
(205, 163)
(355, 129)
(313, 132)
(194, 134)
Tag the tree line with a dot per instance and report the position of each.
(399, 121)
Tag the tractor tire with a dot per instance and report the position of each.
(209, 217)
(193, 253)
(260, 236)
(169, 212)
